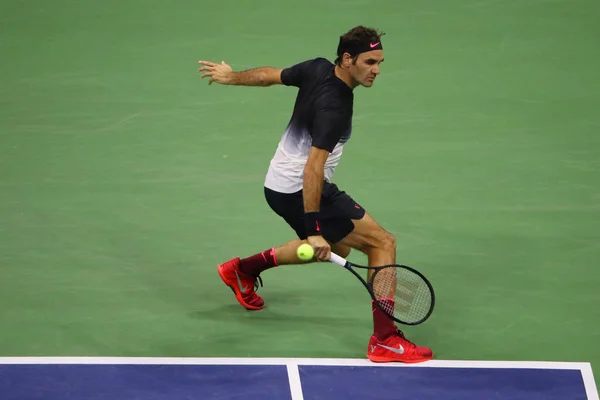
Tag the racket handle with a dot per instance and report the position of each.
(337, 260)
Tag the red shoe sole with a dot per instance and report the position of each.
(378, 359)
(238, 294)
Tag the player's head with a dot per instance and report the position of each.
(359, 53)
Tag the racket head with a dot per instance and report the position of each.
(403, 293)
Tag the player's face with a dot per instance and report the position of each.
(366, 68)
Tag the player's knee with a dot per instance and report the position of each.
(389, 242)
(383, 241)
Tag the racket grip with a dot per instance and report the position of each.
(337, 260)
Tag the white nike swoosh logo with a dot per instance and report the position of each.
(399, 350)
(242, 288)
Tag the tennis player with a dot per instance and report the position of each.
(298, 184)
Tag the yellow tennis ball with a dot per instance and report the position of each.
(305, 252)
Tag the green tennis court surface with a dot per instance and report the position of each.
(124, 179)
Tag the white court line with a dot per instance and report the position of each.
(588, 381)
(298, 361)
(294, 378)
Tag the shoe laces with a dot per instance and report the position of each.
(257, 281)
(252, 296)
(401, 334)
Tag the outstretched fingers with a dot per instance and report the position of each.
(216, 72)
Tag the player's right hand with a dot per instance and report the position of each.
(220, 73)
(321, 247)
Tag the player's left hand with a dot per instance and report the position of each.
(220, 73)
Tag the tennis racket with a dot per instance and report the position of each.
(401, 292)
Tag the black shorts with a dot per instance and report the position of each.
(337, 210)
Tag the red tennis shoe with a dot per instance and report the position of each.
(396, 348)
(243, 286)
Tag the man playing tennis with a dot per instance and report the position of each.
(298, 185)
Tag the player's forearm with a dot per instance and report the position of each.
(262, 76)
(313, 186)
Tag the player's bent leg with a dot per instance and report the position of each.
(388, 343)
(370, 238)
(286, 254)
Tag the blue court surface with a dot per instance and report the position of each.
(54, 378)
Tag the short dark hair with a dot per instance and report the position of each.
(358, 36)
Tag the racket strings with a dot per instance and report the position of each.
(402, 293)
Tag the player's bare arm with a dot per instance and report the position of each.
(314, 173)
(224, 74)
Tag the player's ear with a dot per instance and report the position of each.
(347, 60)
